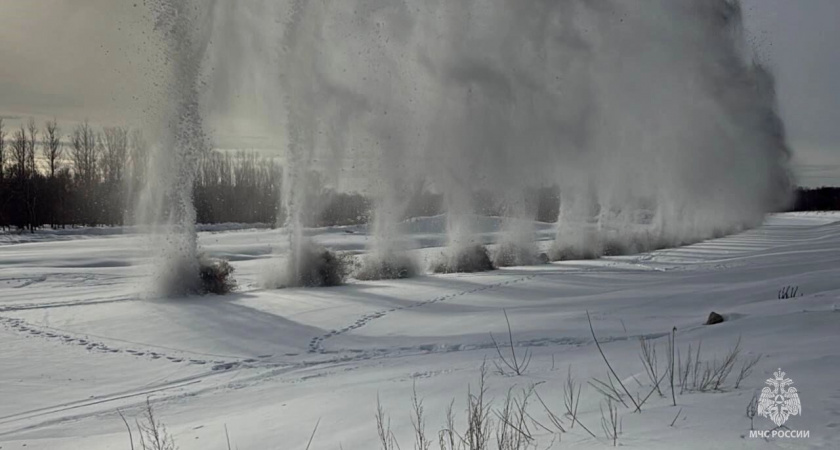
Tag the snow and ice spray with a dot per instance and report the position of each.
(683, 140)
(651, 116)
(182, 33)
(317, 119)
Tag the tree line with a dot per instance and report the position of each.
(50, 179)
(817, 199)
(95, 176)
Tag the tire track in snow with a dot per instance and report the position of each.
(96, 400)
(316, 345)
(49, 305)
(27, 281)
(190, 386)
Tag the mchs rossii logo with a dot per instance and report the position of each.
(779, 401)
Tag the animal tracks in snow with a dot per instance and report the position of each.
(316, 345)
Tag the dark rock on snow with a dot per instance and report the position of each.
(714, 318)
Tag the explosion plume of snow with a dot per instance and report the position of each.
(310, 265)
(384, 266)
(518, 247)
(166, 205)
(654, 109)
(651, 116)
(466, 259)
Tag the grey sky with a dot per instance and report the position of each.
(69, 59)
(800, 41)
(84, 59)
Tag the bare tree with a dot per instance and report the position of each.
(138, 160)
(84, 153)
(31, 145)
(2, 150)
(4, 190)
(114, 144)
(52, 150)
(24, 188)
(19, 151)
(139, 155)
(52, 146)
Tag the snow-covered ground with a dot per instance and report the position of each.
(78, 340)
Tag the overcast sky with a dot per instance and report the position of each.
(84, 59)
